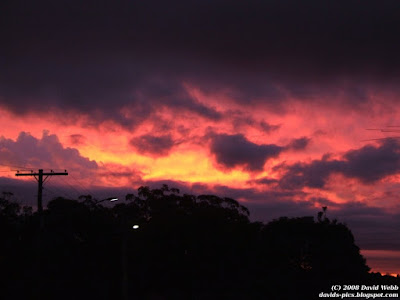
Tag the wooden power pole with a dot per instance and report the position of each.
(40, 180)
(41, 177)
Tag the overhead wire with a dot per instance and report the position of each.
(59, 187)
(59, 192)
(15, 166)
(86, 191)
(384, 130)
(72, 189)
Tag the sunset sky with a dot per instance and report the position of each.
(267, 102)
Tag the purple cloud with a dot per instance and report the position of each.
(367, 164)
(235, 150)
(47, 152)
(154, 145)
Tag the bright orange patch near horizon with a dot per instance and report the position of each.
(383, 261)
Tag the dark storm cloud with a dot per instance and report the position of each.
(373, 163)
(100, 88)
(97, 57)
(314, 174)
(154, 145)
(47, 152)
(367, 164)
(235, 150)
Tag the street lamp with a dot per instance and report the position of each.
(111, 199)
(88, 200)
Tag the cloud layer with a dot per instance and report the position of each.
(125, 61)
(367, 164)
(47, 152)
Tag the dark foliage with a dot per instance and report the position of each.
(186, 247)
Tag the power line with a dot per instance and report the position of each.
(60, 192)
(71, 188)
(81, 185)
(388, 129)
(14, 166)
(39, 177)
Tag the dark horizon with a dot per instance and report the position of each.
(366, 238)
(161, 244)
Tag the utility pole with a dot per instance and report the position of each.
(39, 177)
(38, 293)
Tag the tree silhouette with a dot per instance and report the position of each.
(187, 246)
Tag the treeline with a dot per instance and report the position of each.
(160, 244)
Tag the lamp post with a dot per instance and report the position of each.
(124, 255)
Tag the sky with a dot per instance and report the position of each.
(267, 102)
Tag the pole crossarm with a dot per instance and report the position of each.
(37, 174)
(39, 177)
